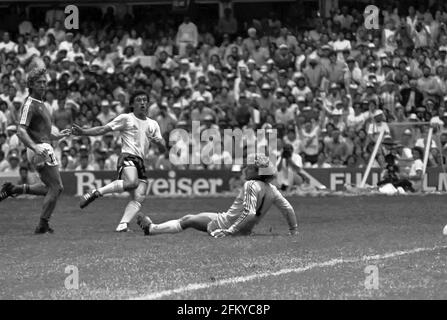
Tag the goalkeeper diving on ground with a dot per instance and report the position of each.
(253, 202)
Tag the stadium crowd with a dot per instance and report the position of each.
(328, 88)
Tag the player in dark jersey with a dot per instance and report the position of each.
(35, 132)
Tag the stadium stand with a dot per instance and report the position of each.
(326, 84)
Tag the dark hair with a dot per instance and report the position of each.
(390, 159)
(349, 158)
(420, 151)
(266, 178)
(136, 94)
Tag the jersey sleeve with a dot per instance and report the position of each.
(26, 113)
(249, 207)
(119, 123)
(285, 208)
(156, 133)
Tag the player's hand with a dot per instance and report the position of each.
(41, 151)
(64, 133)
(77, 130)
(219, 233)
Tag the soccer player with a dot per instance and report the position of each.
(35, 132)
(250, 206)
(137, 132)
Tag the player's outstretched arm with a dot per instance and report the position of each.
(95, 131)
(59, 135)
(161, 144)
(288, 212)
(157, 138)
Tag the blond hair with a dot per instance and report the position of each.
(35, 74)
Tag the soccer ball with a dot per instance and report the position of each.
(444, 232)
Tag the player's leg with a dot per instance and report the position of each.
(11, 190)
(51, 177)
(134, 206)
(39, 189)
(127, 181)
(198, 221)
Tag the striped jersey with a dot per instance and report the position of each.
(136, 134)
(37, 120)
(251, 205)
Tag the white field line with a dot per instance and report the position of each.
(329, 263)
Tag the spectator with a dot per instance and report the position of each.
(12, 141)
(7, 45)
(344, 19)
(106, 115)
(283, 58)
(314, 73)
(289, 167)
(54, 14)
(321, 162)
(336, 147)
(13, 163)
(332, 74)
(84, 164)
(27, 177)
(227, 24)
(103, 62)
(417, 167)
(377, 125)
(201, 110)
(309, 136)
(3, 162)
(3, 118)
(286, 38)
(57, 32)
(63, 116)
(335, 69)
(187, 35)
(284, 113)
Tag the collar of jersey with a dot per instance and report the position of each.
(133, 114)
(35, 99)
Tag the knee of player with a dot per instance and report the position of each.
(140, 197)
(186, 218)
(131, 185)
(57, 189)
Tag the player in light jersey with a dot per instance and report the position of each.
(137, 132)
(250, 206)
(35, 131)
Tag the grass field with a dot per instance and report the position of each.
(339, 237)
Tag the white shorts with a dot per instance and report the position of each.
(38, 161)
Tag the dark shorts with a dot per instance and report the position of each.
(311, 158)
(129, 160)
